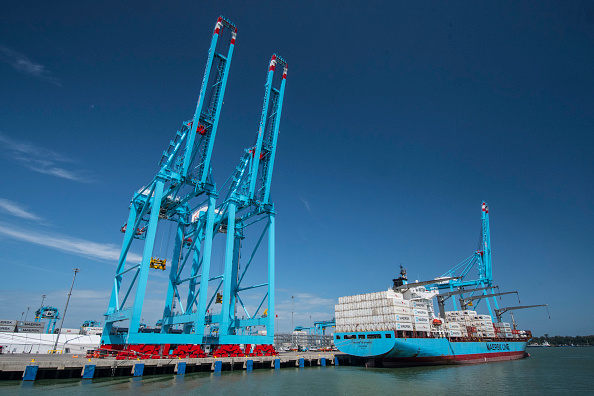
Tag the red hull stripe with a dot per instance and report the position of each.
(491, 356)
(470, 358)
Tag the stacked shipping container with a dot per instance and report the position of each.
(380, 311)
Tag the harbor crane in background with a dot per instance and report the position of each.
(184, 194)
(318, 328)
(499, 312)
(51, 313)
(481, 259)
(456, 279)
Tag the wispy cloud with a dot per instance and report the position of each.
(40, 159)
(24, 65)
(85, 303)
(306, 204)
(15, 210)
(79, 247)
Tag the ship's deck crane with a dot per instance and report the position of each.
(500, 311)
(465, 301)
(443, 297)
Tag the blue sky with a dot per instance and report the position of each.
(399, 119)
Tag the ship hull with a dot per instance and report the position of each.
(383, 349)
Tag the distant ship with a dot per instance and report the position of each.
(544, 344)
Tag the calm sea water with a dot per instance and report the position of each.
(550, 371)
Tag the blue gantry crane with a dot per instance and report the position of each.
(50, 313)
(184, 193)
(247, 205)
(182, 185)
(459, 282)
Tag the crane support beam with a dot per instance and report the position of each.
(465, 300)
(500, 311)
(407, 286)
(442, 297)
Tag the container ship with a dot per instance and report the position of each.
(393, 329)
(400, 327)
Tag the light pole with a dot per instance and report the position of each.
(41, 306)
(292, 297)
(28, 308)
(76, 271)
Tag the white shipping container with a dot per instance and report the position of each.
(399, 303)
(35, 330)
(404, 326)
(7, 329)
(502, 324)
(455, 333)
(453, 326)
(396, 296)
(403, 318)
(422, 319)
(70, 331)
(418, 304)
(420, 312)
(422, 327)
(7, 322)
(400, 310)
(32, 324)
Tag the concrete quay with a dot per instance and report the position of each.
(31, 367)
